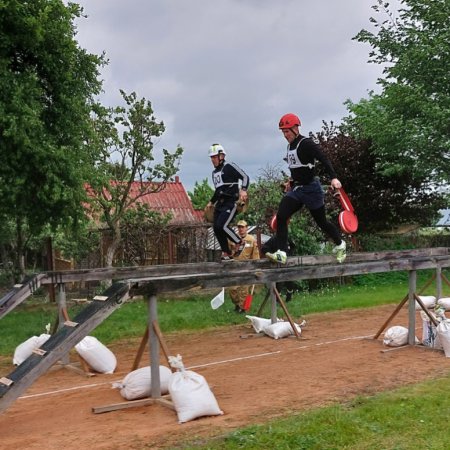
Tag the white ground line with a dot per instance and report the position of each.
(58, 391)
(225, 361)
(234, 359)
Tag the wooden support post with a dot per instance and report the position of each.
(445, 279)
(154, 348)
(263, 303)
(62, 315)
(412, 307)
(155, 338)
(438, 282)
(280, 300)
(399, 307)
(141, 349)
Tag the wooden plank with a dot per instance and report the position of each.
(61, 343)
(140, 351)
(20, 293)
(6, 381)
(277, 273)
(162, 343)
(176, 270)
(164, 401)
(123, 405)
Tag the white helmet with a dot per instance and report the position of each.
(216, 149)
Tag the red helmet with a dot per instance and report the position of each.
(288, 121)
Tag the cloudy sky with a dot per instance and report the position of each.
(226, 70)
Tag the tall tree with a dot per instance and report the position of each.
(382, 201)
(201, 194)
(47, 83)
(124, 165)
(409, 121)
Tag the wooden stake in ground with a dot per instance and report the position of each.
(283, 305)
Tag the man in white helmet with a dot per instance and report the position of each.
(231, 184)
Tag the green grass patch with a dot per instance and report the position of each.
(413, 417)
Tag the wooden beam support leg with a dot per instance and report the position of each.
(263, 304)
(412, 307)
(399, 307)
(273, 305)
(154, 348)
(140, 351)
(445, 279)
(438, 282)
(425, 310)
(162, 343)
(280, 300)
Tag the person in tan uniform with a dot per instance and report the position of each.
(248, 249)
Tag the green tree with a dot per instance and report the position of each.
(123, 162)
(409, 121)
(382, 201)
(47, 83)
(144, 232)
(201, 194)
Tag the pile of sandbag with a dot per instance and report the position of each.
(99, 357)
(137, 384)
(396, 336)
(26, 348)
(444, 302)
(443, 332)
(436, 336)
(190, 393)
(277, 330)
(429, 301)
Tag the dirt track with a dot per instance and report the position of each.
(253, 379)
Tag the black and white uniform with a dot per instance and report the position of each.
(306, 189)
(226, 179)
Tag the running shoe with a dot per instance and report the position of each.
(279, 257)
(340, 251)
(226, 257)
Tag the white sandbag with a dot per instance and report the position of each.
(259, 323)
(25, 349)
(443, 331)
(190, 393)
(137, 384)
(396, 336)
(430, 337)
(428, 300)
(444, 302)
(99, 357)
(280, 330)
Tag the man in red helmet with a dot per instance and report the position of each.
(304, 188)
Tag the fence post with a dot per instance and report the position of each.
(412, 307)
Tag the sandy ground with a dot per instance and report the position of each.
(253, 378)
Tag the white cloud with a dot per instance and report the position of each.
(226, 70)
